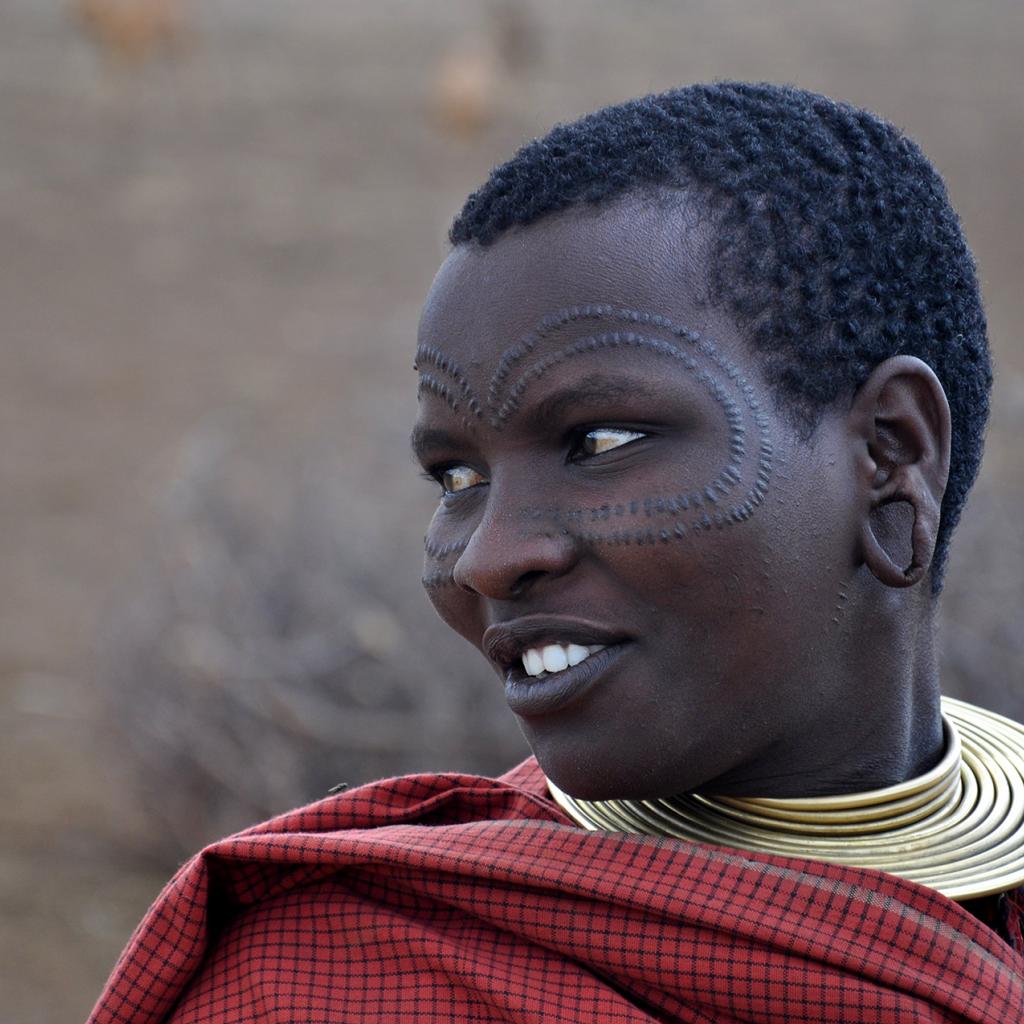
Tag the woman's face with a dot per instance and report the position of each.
(628, 531)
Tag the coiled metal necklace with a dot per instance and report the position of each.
(959, 828)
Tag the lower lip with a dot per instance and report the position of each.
(529, 696)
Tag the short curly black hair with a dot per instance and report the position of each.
(835, 244)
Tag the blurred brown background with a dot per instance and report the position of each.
(217, 221)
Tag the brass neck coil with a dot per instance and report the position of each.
(959, 828)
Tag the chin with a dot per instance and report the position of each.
(589, 776)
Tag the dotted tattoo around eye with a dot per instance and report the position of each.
(714, 491)
(708, 504)
(549, 325)
(505, 395)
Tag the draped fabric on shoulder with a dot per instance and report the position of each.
(449, 897)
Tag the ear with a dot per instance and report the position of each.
(900, 426)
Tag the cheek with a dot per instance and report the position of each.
(456, 607)
(700, 589)
(754, 601)
(443, 544)
(453, 606)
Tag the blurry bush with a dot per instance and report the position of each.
(264, 654)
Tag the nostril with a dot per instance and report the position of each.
(525, 580)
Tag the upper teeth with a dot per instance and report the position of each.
(556, 657)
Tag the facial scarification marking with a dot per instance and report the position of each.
(437, 580)
(551, 323)
(439, 382)
(440, 551)
(711, 492)
(707, 504)
(431, 385)
(839, 611)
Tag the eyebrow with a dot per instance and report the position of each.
(593, 390)
(427, 439)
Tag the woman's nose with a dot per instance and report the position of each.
(509, 553)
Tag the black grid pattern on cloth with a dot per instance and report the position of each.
(449, 897)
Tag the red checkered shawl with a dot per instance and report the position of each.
(451, 897)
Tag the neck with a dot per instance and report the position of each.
(873, 721)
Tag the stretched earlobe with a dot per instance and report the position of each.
(901, 425)
(923, 535)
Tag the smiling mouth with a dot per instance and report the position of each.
(549, 659)
(548, 691)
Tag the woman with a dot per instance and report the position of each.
(703, 382)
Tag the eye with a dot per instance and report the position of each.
(459, 478)
(604, 439)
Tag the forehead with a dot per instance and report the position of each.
(635, 254)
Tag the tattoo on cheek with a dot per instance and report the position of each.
(651, 519)
(439, 562)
